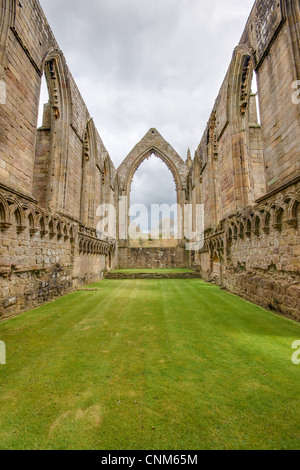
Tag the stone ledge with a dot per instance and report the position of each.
(121, 276)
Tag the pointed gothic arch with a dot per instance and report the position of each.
(249, 178)
(154, 144)
(89, 158)
(53, 162)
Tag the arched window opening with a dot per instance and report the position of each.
(292, 212)
(241, 234)
(153, 205)
(249, 228)
(229, 243)
(267, 222)
(58, 231)
(279, 214)
(72, 236)
(42, 225)
(88, 179)
(30, 221)
(256, 141)
(108, 260)
(297, 213)
(106, 179)
(229, 237)
(254, 109)
(44, 105)
(2, 212)
(257, 226)
(50, 166)
(235, 232)
(18, 219)
(51, 229)
(43, 143)
(216, 264)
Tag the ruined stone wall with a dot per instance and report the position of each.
(52, 179)
(25, 40)
(239, 160)
(256, 252)
(46, 163)
(248, 169)
(269, 35)
(43, 256)
(152, 258)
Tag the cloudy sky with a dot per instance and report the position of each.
(148, 63)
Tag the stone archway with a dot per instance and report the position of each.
(154, 144)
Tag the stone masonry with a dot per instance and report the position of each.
(246, 170)
(152, 258)
(51, 179)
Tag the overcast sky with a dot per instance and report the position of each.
(148, 63)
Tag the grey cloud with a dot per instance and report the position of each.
(153, 171)
(148, 63)
(153, 183)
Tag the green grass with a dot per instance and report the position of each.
(153, 271)
(159, 364)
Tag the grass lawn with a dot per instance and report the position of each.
(154, 271)
(156, 364)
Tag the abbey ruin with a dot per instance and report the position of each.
(246, 170)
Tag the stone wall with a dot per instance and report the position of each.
(147, 258)
(43, 256)
(256, 252)
(269, 35)
(245, 171)
(263, 264)
(52, 179)
(50, 163)
(240, 157)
